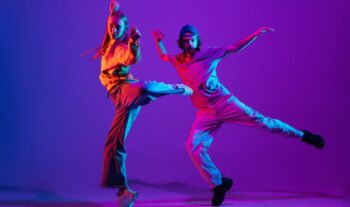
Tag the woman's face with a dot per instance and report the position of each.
(116, 28)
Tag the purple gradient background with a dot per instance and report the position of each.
(55, 116)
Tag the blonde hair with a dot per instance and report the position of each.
(115, 14)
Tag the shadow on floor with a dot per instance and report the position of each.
(186, 195)
(38, 198)
(202, 197)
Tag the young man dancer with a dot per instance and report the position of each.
(215, 104)
(119, 50)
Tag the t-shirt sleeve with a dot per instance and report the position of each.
(172, 59)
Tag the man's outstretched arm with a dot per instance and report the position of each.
(242, 44)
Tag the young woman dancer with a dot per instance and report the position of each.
(119, 51)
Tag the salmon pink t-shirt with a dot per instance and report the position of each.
(200, 75)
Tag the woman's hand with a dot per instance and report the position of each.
(113, 6)
(135, 34)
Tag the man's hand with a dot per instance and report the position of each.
(157, 35)
(262, 30)
(135, 34)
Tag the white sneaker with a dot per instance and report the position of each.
(187, 90)
(127, 199)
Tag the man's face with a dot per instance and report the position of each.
(190, 42)
(116, 28)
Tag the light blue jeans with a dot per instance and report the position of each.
(208, 121)
(128, 97)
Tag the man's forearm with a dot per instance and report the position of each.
(161, 50)
(246, 41)
(242, 44)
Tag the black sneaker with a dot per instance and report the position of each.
(220, 190)
(313, 139)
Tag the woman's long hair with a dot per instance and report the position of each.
(102, 50)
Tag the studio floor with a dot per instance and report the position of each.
(173, 194)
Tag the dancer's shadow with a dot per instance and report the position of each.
(175, 187)
(21, 196)
(201, 197)
(198, 196)
(259, 195)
